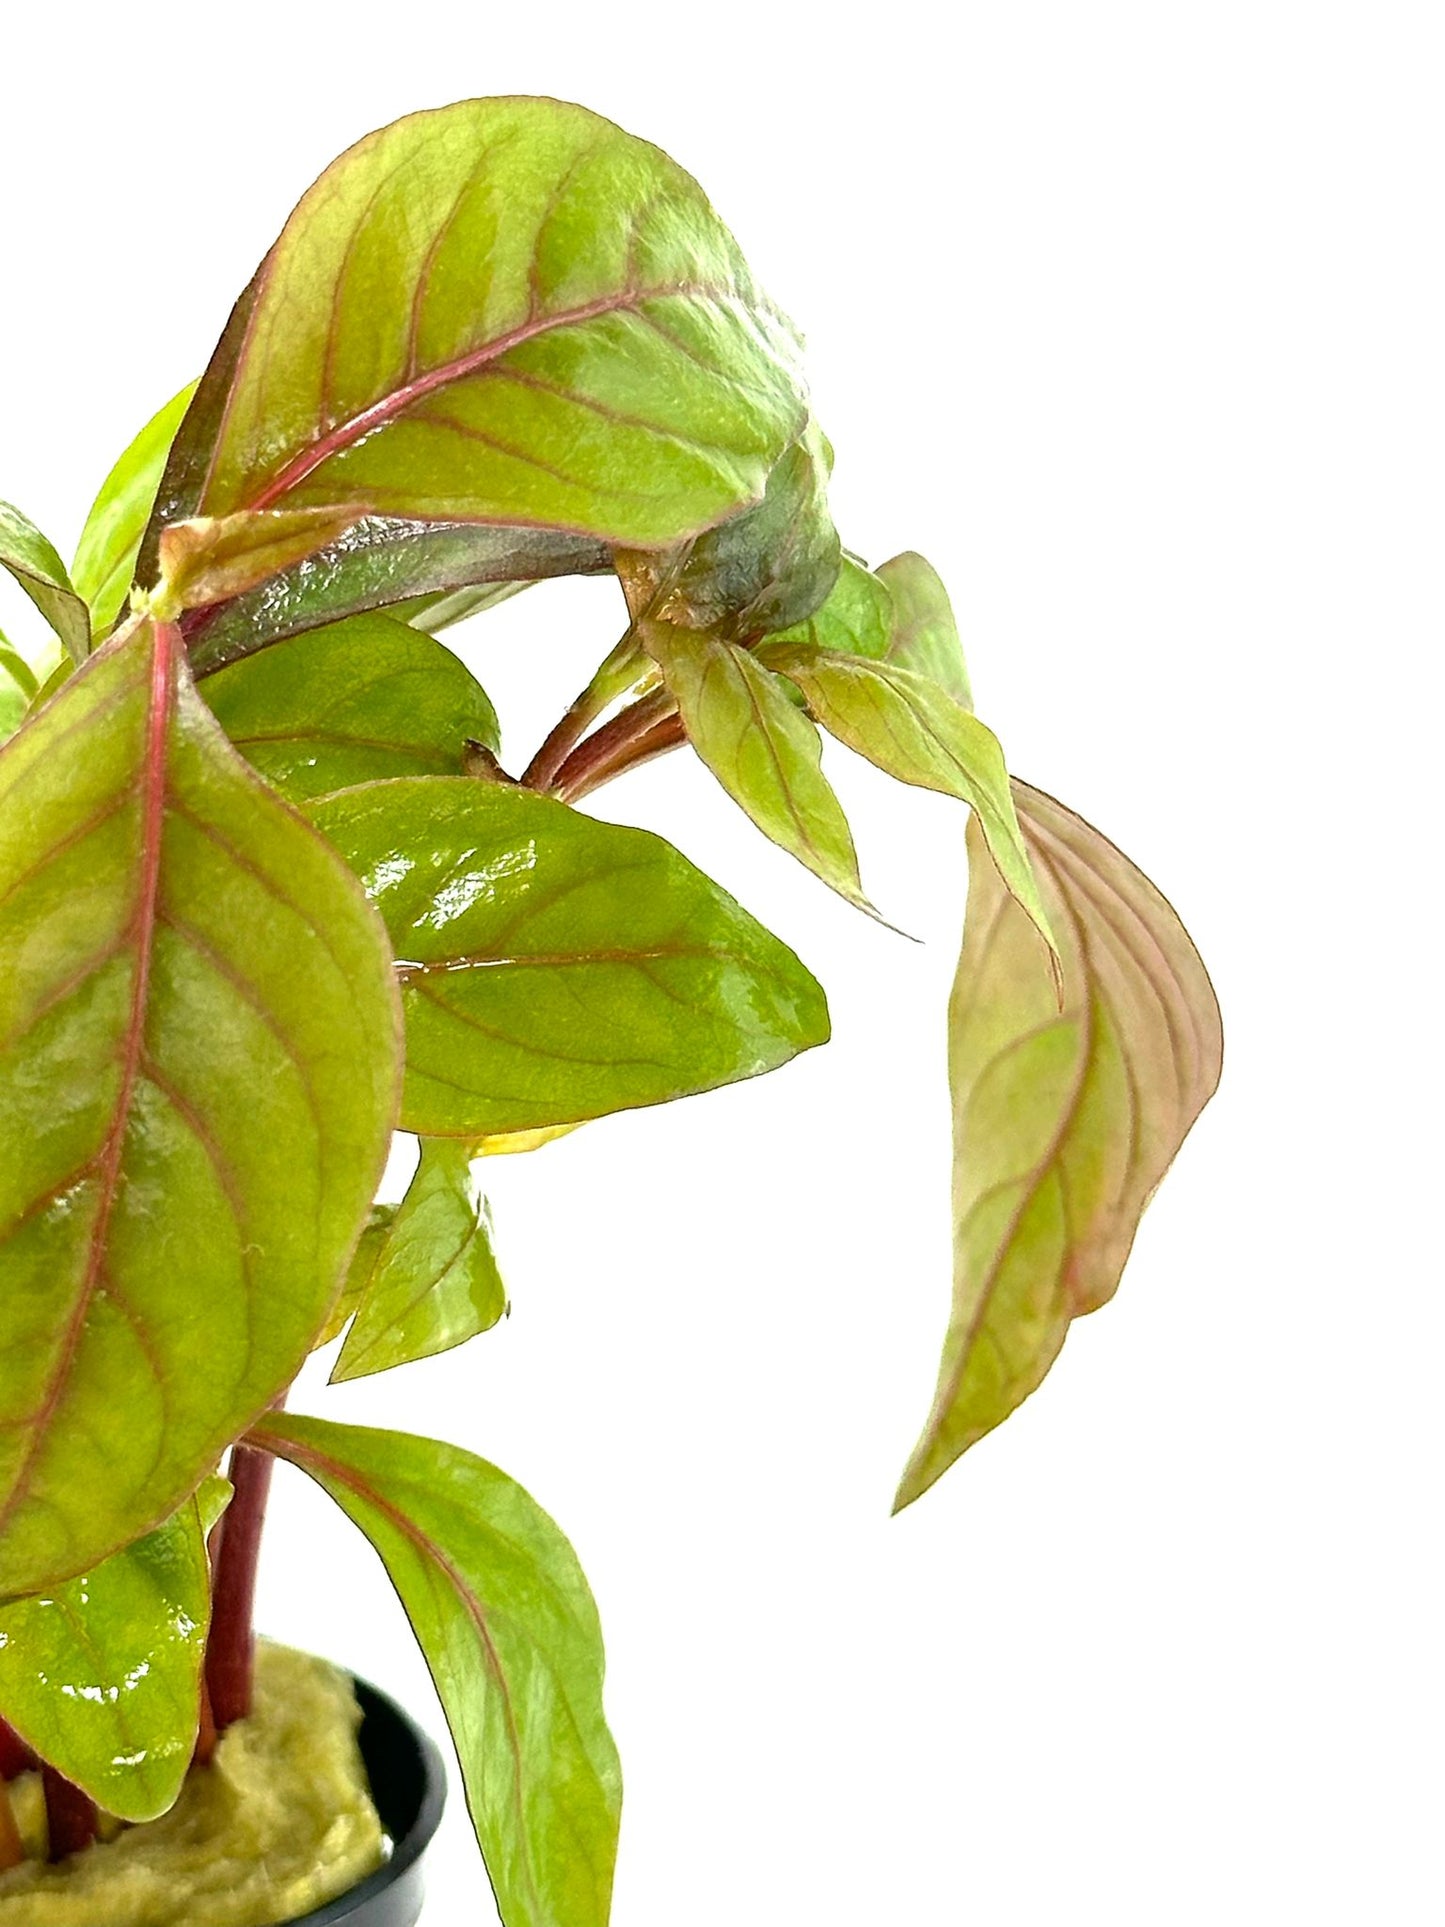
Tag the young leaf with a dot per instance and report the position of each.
(760, 570)
(17, 690)
(105, 558)
(910, 728)
(101, 1676)
(433, 1281)
(924, 636)
(857, 619)
(360, 700)
(1065, 1121)
(359, 1274)
(504, 311)
(214, 557)
(554, 968)
(406, 567)
(748, 730)
(40, 572)
(509, 1629)
(199, 1051)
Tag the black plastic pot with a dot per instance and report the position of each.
(408, 1783)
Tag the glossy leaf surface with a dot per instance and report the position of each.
(504, 311)
(215, 557)
(1065, 1121)
(923, 636)
(910, 728)
(510, 1632)
(105, 558)
(33, 562)
(379, 564)
(198, 1065)
(554, 968)
(433, 1280)
(361, 700)
(743, 723)
(102, 1676)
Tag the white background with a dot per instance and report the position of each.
(1130, 317)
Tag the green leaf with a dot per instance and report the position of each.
(856, 619)
(1065, 1120)
(509, 1629)
(740, 719)
(17, 690)
(359, 1275)
(199, 1054)
(760, 570)
(101, 1676)
(40, 572)
(105, 559)
(361, 700)
(433, 1280)
(554, 968)
(504, 311)
(212, 558)
(924, 636)
(408, 567)
(910, 728)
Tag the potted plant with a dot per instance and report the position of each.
(268, 896)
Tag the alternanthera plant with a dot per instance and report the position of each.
(271, 891)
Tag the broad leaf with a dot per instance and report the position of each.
(743, 723)
(105, 558)
(198, 1065)
(1065, 1121)
(361, 700)
(910, 728)
(504, 311)
(33, 562)
(102, 1675)
(924, 635)
(554, 968)
(385, 563)
(759, 571)
(434, 1281)
(509, 1629)
(856, 619)
(215, 557)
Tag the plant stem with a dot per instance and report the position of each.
(614, 678)
(15, 1756)
(609, 747)
(656, 741)
(12, 1848)
(70, 1814)
(231, 1649)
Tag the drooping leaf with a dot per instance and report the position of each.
(504, 1616)
(101, 1676)
(434, 1281)
(1065, 1121)
(924, 635)
(105, 558)
(760, 570)
(215, 557)
(33, 562)
(554, 968)
(407, 567)
(360, 700)
(856, 619)
(504, 311)
(910, 728)
(199, 1053)
(742, 722)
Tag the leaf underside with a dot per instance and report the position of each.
(1065, 1120)
(199, 1053)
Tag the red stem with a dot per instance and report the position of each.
(71, 1815)
(606, 747)
(15, 1756)
(656, 741)
(231, 1649)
